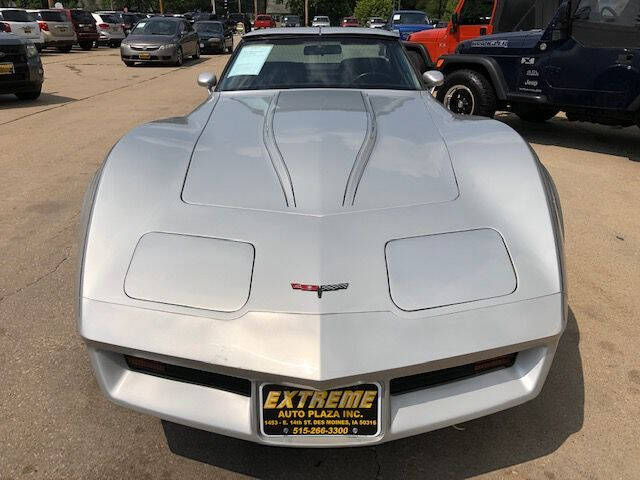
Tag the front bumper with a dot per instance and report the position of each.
(127, 53)
(323, 352)
(28, 77)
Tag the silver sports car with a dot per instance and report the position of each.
(321, 254)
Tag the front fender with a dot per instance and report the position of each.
(449, 63)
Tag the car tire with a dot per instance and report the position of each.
(179, 58)
(534, 113)
(32, 95)
(469, 93)
(86, 45)
(65, 49)
(196, 55)
(130, 64)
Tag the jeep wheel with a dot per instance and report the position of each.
(534, 113)
(468, 92)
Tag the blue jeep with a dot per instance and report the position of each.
(406, 22)
(585, 63)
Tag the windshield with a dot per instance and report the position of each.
(82, 16)
(49, 16)
(414, 18)
(208, 27)
(263, 18)
(377, 20)
(320, 62)
(292, 19)
(155, 27)
(16, 16)
(321, 19)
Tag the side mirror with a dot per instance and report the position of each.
(433, 78)
(454, 22)
(207, 80)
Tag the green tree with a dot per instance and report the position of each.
(373, 8)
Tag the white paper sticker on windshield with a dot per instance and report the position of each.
(396, 17)
(250, 60)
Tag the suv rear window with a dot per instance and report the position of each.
(109, 18)
(82, 16)
(53, 16)
(16, 16)
(263, 18)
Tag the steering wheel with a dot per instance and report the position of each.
(610, 10)
(383, 76)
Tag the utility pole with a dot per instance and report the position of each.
(161, 7)
(255, 9)
(306, 13)
(239, 6)
(213, 6)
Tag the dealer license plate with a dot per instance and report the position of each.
(7, 68)
(144, 56)
(201, 45)
(292, 411)
(27, 30)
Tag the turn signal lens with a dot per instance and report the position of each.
(439, 62)
(104, 26)
(43, 26)
(7, 28)
(498, 362)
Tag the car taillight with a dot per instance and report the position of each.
(104, 26)
(7, 28)
(43, 25)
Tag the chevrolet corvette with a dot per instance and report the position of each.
(320, 254)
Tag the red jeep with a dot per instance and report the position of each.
(474, 18)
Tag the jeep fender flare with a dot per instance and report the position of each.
(449, 63)
(420, 51)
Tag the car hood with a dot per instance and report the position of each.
(149, 40)
(320, 152)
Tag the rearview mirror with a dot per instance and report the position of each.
(433, 78)
(207, 80)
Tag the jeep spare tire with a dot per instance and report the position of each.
(468, 92)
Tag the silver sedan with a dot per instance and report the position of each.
(160, 40)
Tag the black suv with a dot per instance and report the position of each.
(586, 62)
(21, 70)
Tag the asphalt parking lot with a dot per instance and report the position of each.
(54, 422)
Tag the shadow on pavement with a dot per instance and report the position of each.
(11, 101)
(591, 137)
(507, 438)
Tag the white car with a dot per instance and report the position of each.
(109, 28)
(56, 29)
(20, 23)
(321, 21)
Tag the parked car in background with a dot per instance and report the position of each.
(586, 63)
(349, 22)
(376, 22)
(214, 37)
(109, 29)
(20, 23)
(21, 71)
(56, 27)
(3, 27)
(129, 21)
(477, 18)
(160, 40)
(321, 21)
(406, 22)
(234, 18)
(85, 27)
(291, 21)
(264, 21)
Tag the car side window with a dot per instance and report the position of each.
(476, 12)
(607, 23)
